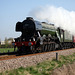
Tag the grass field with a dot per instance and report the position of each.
(44, 68)
(6, 50)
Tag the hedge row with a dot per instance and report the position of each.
(6, 46)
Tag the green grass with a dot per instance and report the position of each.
(44, 68)
(6, 50)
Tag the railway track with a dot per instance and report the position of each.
(7, 57)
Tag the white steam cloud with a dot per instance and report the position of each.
(59, 16)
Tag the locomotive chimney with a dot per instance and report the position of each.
(29, 18)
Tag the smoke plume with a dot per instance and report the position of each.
(59, 16)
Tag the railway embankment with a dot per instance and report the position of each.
(68, 69)
(29, 60)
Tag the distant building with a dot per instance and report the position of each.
(10, 40)
(7, 41)
(2, 42)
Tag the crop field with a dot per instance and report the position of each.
(6, 50)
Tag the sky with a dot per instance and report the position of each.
(12, 11)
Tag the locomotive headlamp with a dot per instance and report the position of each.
(30, 44)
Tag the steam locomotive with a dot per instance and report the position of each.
(41, 37)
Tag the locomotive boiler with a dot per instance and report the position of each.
(40, 37)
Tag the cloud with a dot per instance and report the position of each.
(57, 15)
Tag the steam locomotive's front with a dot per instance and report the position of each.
(27, 28)
(30, 37)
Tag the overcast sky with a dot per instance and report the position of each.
(12, 11)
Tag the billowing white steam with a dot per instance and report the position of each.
(59, 16)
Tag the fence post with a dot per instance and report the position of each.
(8, 51)
(56, 56)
